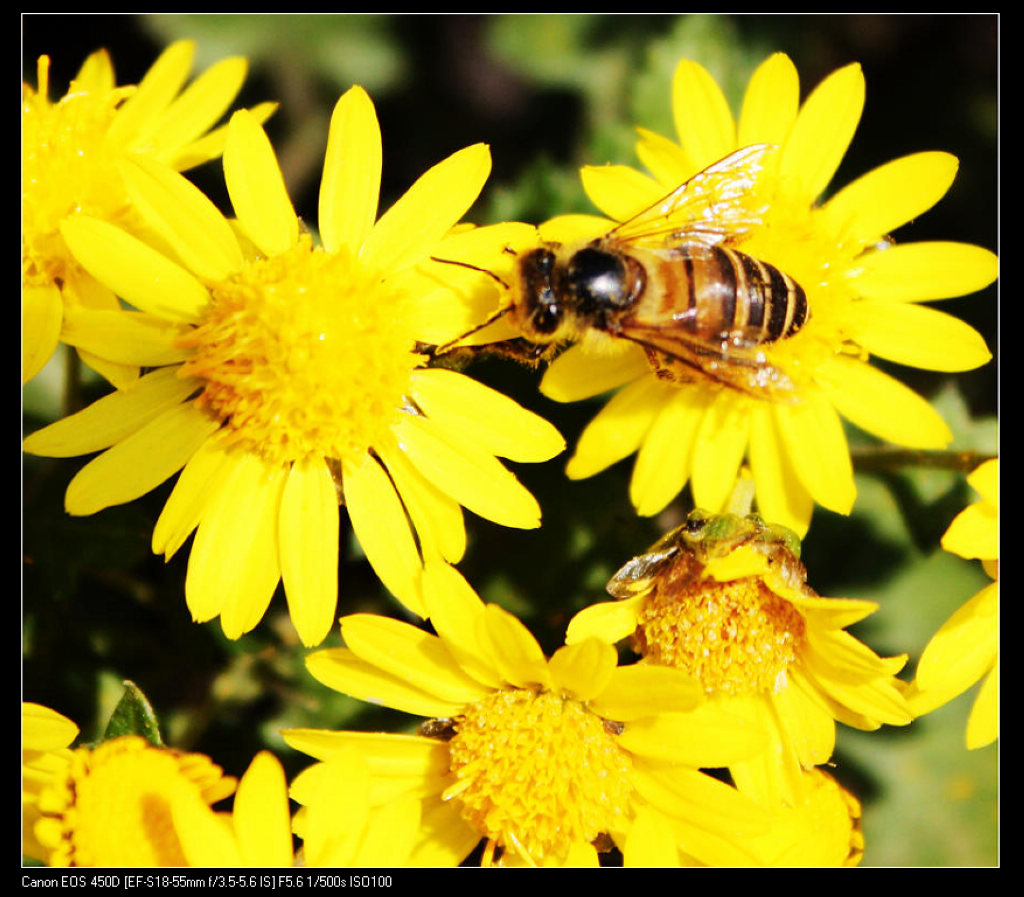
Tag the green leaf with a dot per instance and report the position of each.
(134, 715)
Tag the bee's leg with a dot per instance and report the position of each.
(671, 369)
(520, 350)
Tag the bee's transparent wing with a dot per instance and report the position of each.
(716, 205)
(636, 574)
(735, 362)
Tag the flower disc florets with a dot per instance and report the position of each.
(303, 354)
(537, 772)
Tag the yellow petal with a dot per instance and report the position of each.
(408, 231)
(199, 106)
(719, 447)
(97, 73)
(774, 775)
(880, 201)
(641, 690)
(308, 538)
(461, 405)
(983, 723)
(578, 374)
(710, 819)
(139, 462)
(703, 119)
(817, 448)
(620, 191)
(877, 403)
(985, 479)
(781, 497)
(261, 814)
(770, 103)
(916, 335)
(110, 419)
(974, 532)
(382, 529)
(410, 654)
(821, 134)
(207, 838)
(436, 516)
(126, 337)
(211, 145)
(839, 667)
(650, 841)
(340, 669)
(43, 729)
(665, 460)
(618, 429)
(386, 753)
(704, 736)
(584, 669)
(834, 613)
(962, 651)
(611, 621)
(919, 272)
(470, 475)
(206, 471)
(806, 720)
(233, 568)
(256, 186)
(455, 611)
(664, 159)
(515, 652)
(390, 837)
(139, 116)
(41, 314)
(350, 188)
(138, 274)
(183, 216)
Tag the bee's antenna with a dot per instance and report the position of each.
(490, 274)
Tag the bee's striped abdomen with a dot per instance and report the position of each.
(730, 293)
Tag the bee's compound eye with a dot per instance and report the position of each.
(547, 318)
(598, 278)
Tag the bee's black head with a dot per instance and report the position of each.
(545, 312)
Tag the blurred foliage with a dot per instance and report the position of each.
(548, 93)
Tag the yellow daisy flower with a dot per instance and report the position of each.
(70, 155)
(548, 761)
(966, 647)
(724, 599)
(863, 297)
(309, 384)
(112, 805)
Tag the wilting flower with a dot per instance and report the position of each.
(286, 376)
(547, 761)
(724, 599)
(966, 647)
(863, 295)
(71, 152)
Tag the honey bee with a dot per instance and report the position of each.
(668, 280)
(679, 557)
